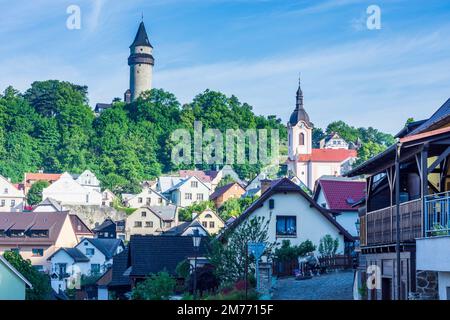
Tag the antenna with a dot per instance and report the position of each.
(142, 16)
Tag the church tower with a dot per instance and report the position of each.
(141, 64)
(299, 129)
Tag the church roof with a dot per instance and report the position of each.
(141, 38)
(299, 113)
(328, 155)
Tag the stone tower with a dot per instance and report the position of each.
(299, 129)
(141, 64)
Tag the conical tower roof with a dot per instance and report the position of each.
(141, 38)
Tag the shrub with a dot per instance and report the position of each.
(328, 246)
(158, 286)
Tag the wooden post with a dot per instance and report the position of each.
(424, 187)
(397, 204)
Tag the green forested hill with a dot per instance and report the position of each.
(51, 127)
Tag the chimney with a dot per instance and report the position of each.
(194, 214)
(265, 184)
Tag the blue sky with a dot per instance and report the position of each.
(253, 49)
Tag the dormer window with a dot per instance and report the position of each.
(17, 233)
(6, 191)
(38, 233)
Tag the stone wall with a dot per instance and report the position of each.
(265, 278)
(426, 285)
(92, 215)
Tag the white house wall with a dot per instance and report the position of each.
(67, 191)
(311, 224)
(11, 199)
(147, 197)
(97, 258)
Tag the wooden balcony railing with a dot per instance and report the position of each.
(379, 227)
(437, 214)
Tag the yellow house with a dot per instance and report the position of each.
(210, 221)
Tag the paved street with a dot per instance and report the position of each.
(333, 286)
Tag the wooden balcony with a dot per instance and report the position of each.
(379, 227)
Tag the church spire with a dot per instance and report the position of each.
(299, 113)
(299, 104)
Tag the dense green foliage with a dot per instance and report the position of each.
(288, 252)
(158, 286)
(372, 141)
(235, 206)
(51, 128)
(185, 214)
(225, 180)
(40, 281)
(34, 195)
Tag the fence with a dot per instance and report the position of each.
(336, 262)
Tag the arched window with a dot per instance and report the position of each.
(208, 216)
(301, 139)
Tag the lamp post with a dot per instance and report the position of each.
(357, 225)
(196, 238)
(358, 232)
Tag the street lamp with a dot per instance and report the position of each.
(357, 225)
(196, 238)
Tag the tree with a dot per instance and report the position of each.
(328, 246)
(288, 252)
(235, 206)
(225, 180)
(158, 286)
(317, 135)
(369, 150)
(229, 259)
(41, 282)
(185, 214)
(35, 193)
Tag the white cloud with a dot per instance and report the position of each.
(359, 82)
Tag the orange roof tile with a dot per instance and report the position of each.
(42, 176)
(328, 155)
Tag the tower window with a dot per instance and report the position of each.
(301, 139)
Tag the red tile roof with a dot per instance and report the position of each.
(340, 195)
(328, 155)
(42, 176)
(203, 176)
(30, 176)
